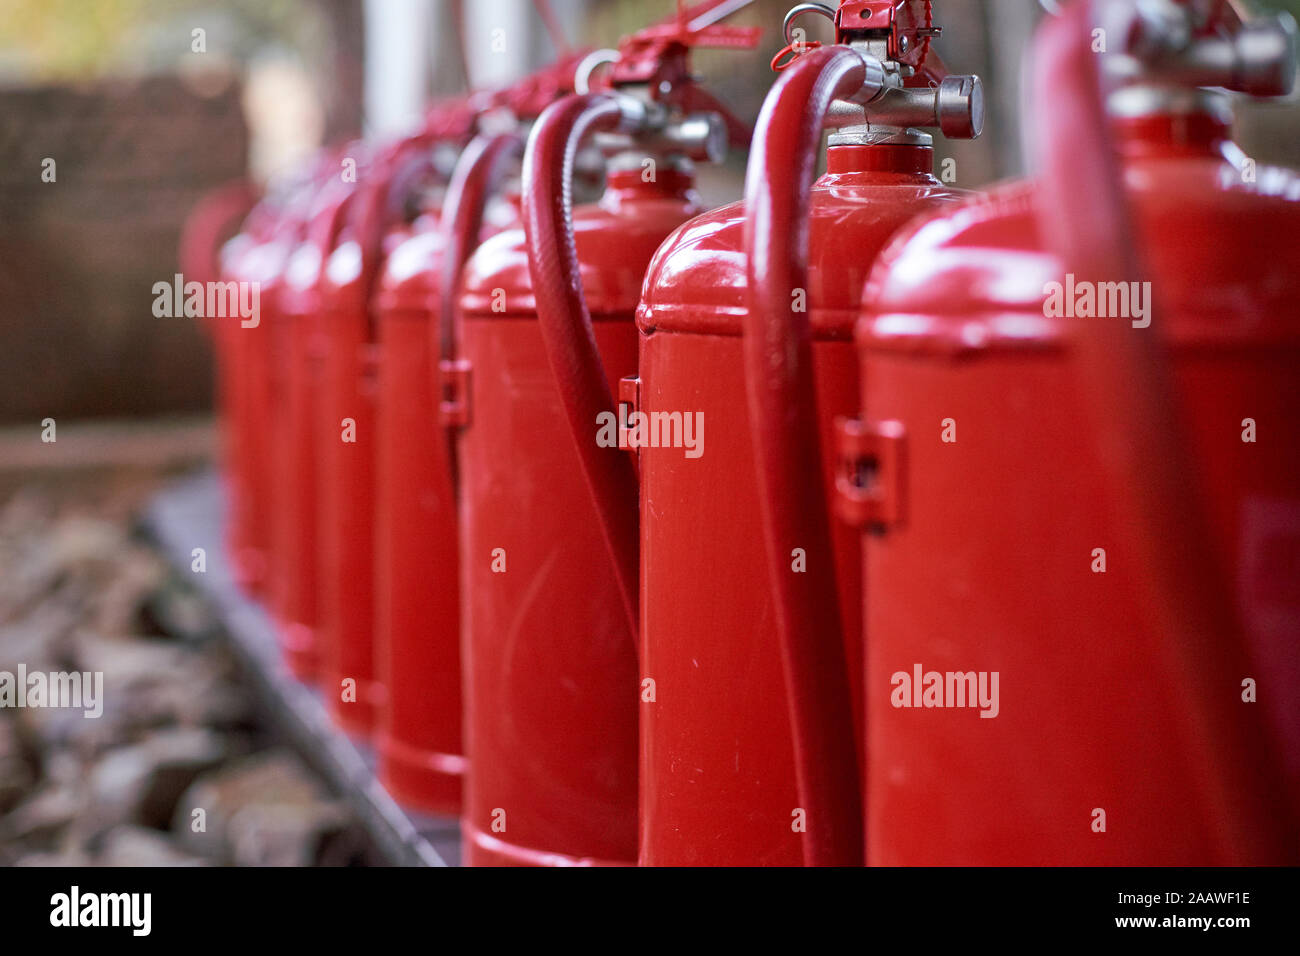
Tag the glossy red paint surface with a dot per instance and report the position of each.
(990, 567)
(717, 767)
(551, 671)
(422, 760)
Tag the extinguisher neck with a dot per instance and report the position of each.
(1162, 121)
(640, 178)
(888, 158)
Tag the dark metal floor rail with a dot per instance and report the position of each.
(188, 515)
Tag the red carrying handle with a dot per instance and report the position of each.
(783, 419)
(477, 176)
(566, 324)
(377, 202)
(1124, 372)
(327, 221)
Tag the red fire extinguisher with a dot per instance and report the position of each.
(257, 256)
(348, 429)
(421, 756)
(551, 674)
(1081, 611)
(292, 416)
(209, 225)
(730, 773)
(204, 256)
(299, 344)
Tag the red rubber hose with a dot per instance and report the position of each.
(1128, 384)
(783, 420)
(566, 323)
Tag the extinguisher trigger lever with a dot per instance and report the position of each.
(453, 404)
(869, 473)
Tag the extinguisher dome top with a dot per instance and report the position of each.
(409, 281)
(262, 262)
(696, 281)
(345, 269)
(615, 238)
(343, 265)
(234, 249)
(978, 265)
(975, 279)
(303, 271)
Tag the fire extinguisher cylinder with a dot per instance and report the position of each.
(873, 96)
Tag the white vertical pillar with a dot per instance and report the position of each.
(398, 34)
(500, 41)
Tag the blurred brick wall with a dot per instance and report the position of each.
(79, 256)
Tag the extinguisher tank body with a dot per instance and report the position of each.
(421, 758)
(551, 670)
(294, 415)
(717, 772)
(997, 554)
(347, 434)
(246, 355)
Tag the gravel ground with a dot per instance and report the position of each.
(175, 768)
